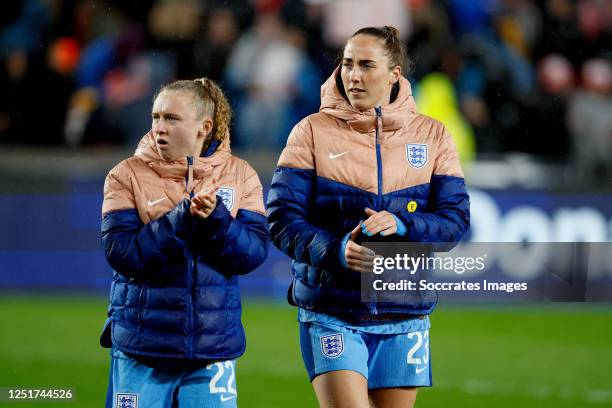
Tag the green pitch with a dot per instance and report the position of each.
(557, 356)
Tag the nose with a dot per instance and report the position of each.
(355, 75)
(159, 127)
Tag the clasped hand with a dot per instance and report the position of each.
(360, 258)
(203, 203)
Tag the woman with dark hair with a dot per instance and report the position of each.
(366, 165)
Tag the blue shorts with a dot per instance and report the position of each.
(385, 360)
(151, 383)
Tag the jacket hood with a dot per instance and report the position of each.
(395, 114)
(215, 155)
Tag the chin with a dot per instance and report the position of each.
(167, 157)
(360, 106)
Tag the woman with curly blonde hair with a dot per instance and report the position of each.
(181, 219)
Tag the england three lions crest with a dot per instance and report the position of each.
(416, 154)
(126, 400)
(332, 346)
(227, 195)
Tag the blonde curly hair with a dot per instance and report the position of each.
(208, 99)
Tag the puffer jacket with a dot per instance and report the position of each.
(175, 289)
(339, 161)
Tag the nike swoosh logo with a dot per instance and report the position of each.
(153, 202)
(224, 398)
(335, 156)
(420, 370)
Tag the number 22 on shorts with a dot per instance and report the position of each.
(215, 388)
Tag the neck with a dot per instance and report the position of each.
(199, 147)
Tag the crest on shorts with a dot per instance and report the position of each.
(416, 154)
(332, 346)
(126, 400)
(227, 195)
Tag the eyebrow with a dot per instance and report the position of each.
(363, 61)
(170, 115)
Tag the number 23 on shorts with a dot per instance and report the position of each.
(418, 354)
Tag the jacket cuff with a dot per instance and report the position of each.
(401, 229)
(217, 220)
(343, 249)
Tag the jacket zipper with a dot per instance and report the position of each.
(378, 109)
(378, 156)
(140, 305)
(191, 267)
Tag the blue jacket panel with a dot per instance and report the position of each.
(309, 215)
(175, 291)
(341, 160)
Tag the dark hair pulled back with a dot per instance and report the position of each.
(395, 49)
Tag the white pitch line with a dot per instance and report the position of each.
(599, 396)
(541, 392)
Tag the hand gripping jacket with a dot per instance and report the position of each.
(175, 291)
(339, 161)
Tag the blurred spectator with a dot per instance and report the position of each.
(430, 39)
(311, 20)
(492, 81)
(560, 33)
(472, 16)
(117, 76)
(24, 27)
(33, 93)
(436, 97)
(271, 80)
(519, 24)
(174, 26)
(341, 20)
(590, 122)
(490, 72)
(212, 49)
(595, 25)
(544, 123)
(33, 100)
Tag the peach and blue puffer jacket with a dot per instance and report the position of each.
(339, 161)
(175, 290)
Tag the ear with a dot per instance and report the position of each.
(394, 74)
(206, 127)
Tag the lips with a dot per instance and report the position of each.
(162, 144)
(356, 91)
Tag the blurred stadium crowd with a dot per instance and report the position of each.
(532, 76)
